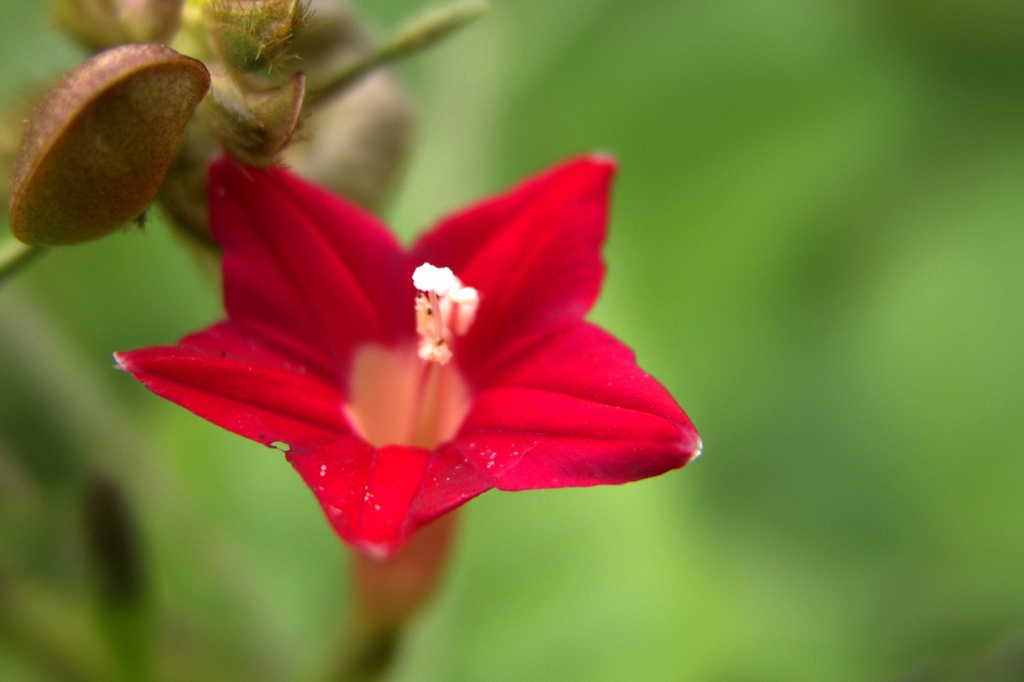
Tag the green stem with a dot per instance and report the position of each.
(14, 255)
(370, 657)
(417, 35)
(387, 595)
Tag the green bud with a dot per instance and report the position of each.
(99, 145)
(355, 142)
(255, 126)
(249, 35)
(100, 24)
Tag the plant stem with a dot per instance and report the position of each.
(388, 594)
(426, 30)
(14, 255)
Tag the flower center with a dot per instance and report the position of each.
(443, 307)
(401, 397)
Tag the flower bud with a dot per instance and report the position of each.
(249, 35)
(355, 139)
(255, 126)
(355, 142)
(99, 144)
(100, 24)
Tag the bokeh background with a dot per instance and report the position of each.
(817, 244)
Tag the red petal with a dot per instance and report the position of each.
(222, 376)
(450, 481)
(309, 274)
(575, 410)
(533, 254)
(364, 492)
(376, 499)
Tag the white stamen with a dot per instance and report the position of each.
(439, 280)
(467, 300)
(443, 306)
(466, 296)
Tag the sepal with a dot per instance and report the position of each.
(254, 36)
(255, 126)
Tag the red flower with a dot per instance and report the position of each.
(331, 354)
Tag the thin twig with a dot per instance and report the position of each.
(426, 30)
(14, 255)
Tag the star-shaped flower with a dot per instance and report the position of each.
(400, 383)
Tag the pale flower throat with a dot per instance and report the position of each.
(402, 397)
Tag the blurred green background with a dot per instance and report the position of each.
(817, 244)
